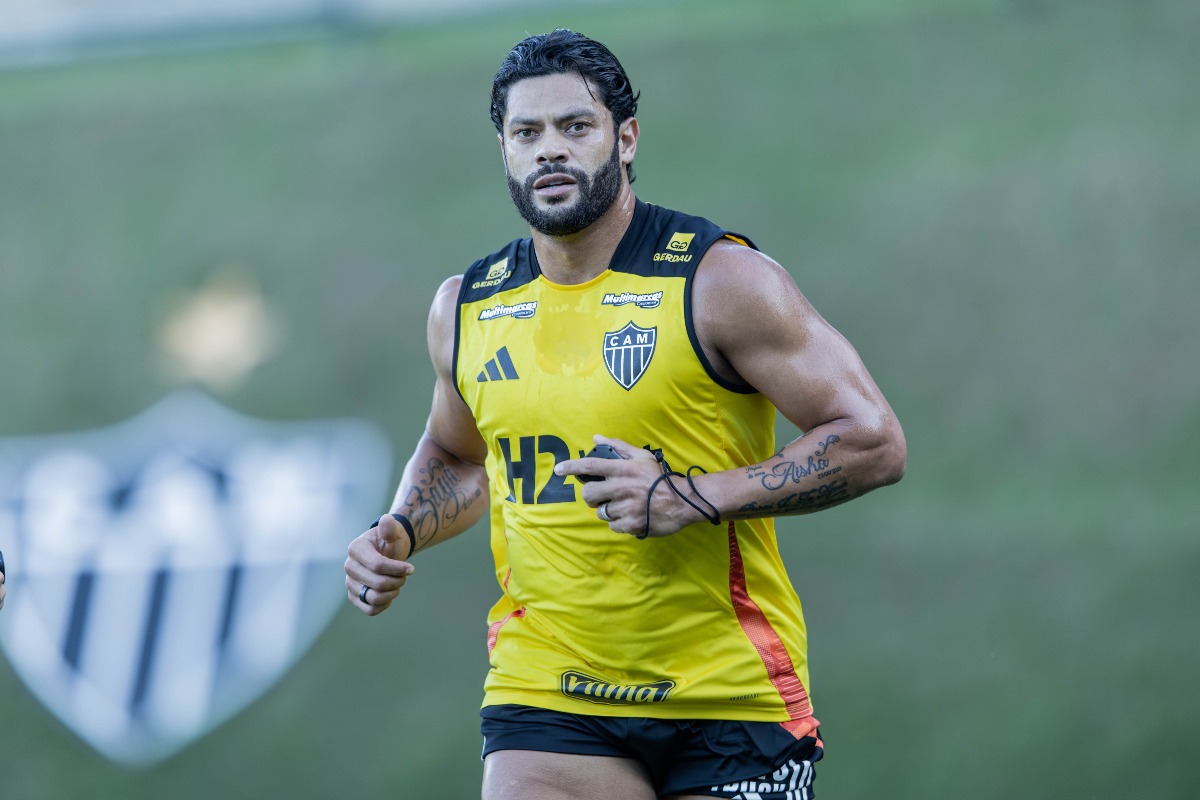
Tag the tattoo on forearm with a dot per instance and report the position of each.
(823, 496)
(437, 499)
(785, 472)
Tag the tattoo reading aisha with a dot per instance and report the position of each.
(786, 472)
(437, 499)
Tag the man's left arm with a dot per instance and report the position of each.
(759, 331)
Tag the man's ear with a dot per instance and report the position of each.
(627, 138)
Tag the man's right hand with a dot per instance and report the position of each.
(374, 562)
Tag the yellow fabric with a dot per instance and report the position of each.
(592, 621)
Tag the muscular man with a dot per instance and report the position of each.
(647, 642)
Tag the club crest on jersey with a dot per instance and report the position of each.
(627, 353)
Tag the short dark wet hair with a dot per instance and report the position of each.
(565, 51)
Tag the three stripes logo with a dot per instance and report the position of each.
(500, 368)
(155, 589)
(627, 353)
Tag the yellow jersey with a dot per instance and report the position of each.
(703, 624)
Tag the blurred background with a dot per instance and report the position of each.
(996, 201)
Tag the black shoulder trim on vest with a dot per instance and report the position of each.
(529, 253)
(633, 247)
(665, 243)
(691, 325)
(458, 334)
(505, 269)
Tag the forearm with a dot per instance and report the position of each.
(441, 494)
(829, 465)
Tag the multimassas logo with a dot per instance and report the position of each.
(679, 244)
(518, 311)
(651, 300)
(594, 690)
(496, 274)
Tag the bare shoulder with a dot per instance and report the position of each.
(730, 262)
(740, 297)
(450, 422)
(440, 328)
(732, 277)
(446, 300)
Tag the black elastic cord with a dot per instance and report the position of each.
(667, 474)
(715, 518)
(408, 528)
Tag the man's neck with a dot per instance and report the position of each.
(569, 260)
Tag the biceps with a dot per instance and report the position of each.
(452, 425)
(812, 375)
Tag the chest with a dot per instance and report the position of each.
(616, 348)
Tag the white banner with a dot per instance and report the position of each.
(44, 28)
(165, 572)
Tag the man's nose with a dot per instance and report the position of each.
(553, 150)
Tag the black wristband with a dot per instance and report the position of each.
(408, 528)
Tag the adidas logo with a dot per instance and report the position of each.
(499, 368)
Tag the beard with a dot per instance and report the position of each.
(597, 193)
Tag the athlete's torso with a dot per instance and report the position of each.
(700, 624)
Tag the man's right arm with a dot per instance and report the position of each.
(444, 488)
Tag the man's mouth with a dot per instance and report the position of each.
(553, 184)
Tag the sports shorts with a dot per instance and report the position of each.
(711, 758)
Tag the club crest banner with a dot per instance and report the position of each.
(165, 572)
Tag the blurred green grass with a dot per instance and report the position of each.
(995, 201)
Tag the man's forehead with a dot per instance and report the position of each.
(551, 95)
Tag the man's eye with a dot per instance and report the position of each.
(577, 127)
(524, 133)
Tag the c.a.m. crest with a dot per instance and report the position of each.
(627, 353)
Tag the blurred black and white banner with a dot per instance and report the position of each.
(40, 29)
(165, 572)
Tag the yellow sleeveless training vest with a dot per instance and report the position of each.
(703, 624)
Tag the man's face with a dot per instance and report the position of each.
(564, 163)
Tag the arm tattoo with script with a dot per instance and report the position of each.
(437, 499)
(784, 473)
(823, 496)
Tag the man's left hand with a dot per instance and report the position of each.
(620, 497)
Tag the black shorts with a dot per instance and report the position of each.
(714, 758)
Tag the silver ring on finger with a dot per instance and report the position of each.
(362, 594)
(603, 512)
